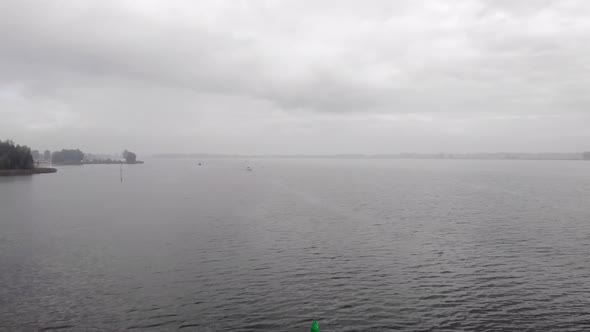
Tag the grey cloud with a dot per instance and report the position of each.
(166, 66)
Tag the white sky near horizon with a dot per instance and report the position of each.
(259, 77)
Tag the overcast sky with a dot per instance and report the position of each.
(296, 76)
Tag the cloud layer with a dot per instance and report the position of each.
(296, 76)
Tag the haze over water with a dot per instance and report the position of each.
(361, 245)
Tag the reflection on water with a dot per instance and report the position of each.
(360, 245)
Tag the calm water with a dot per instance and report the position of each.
(360, 245)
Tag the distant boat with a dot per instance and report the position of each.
(249, 169)
(199, 164)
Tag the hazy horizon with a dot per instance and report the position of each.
(293, 77)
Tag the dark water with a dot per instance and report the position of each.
(360, 245)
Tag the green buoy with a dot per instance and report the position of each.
(315, 327)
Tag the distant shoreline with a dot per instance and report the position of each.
(18, 172)
(110, 163)
(97, 163)
(401, 156)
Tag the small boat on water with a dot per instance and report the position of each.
(249, 169)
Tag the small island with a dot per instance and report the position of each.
(18, 160)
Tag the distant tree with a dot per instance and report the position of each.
(15, 156)
(47, 155)
(67, 157)
(586, 155)
(57, 157)
(130, 157)
(36, 155)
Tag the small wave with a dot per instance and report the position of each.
(60, 327)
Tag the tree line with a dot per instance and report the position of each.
(67, 156)
(73, 157)
(14, 156)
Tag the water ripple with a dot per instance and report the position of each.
(365, 246)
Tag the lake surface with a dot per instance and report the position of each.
(361, 245)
